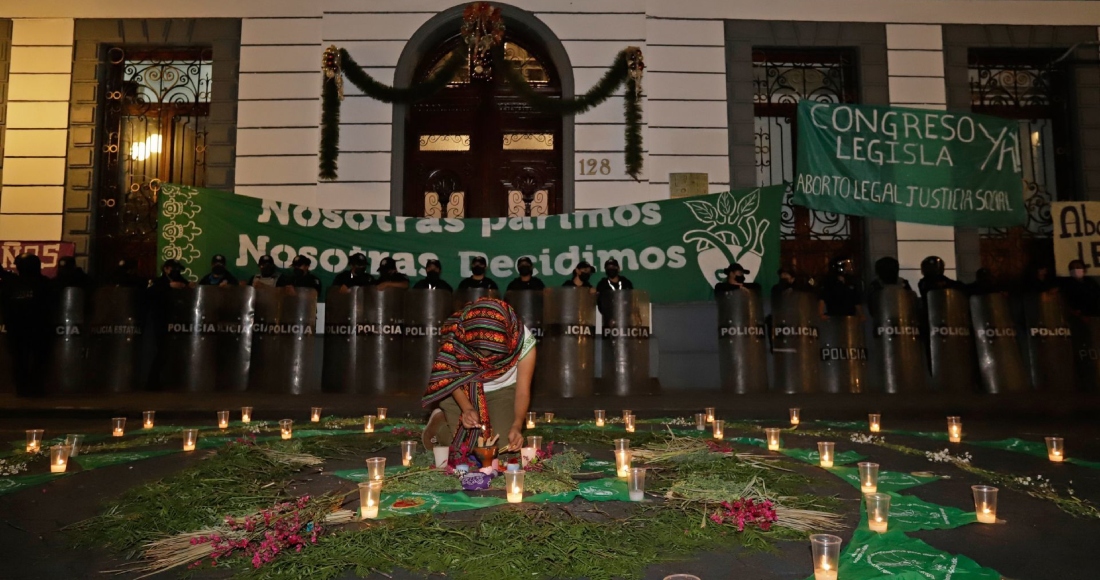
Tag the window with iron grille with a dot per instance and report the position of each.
(156, 102)
(781, 79)
(1022, 85)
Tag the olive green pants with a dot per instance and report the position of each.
(502, 412)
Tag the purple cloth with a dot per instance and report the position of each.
(476, 481)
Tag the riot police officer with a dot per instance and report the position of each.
(125, 275)
(69, 274)
(171, 277)
(268, 276)
(735, 280)
(611, 282)
(933, 278)
(388, 276)
(26, 301)
(477, 279)
(300, 276)
(1082, 294)
(219, 275)
(842, 292)
(582, 273)
(789, 282)
(526, 280)
(433, 269)
(355, 275)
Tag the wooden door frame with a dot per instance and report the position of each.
(437, 30)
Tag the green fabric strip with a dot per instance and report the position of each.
(912, 514)
(871, 556)
(887, 480)
(97, 460)
(17, 482)
(812, 457)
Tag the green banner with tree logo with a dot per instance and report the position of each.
(675, 249)
(910, 165)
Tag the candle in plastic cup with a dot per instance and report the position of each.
(368, 423)
(376, 468)
(635, 483)
(531, 419)
(407, 450)
(147, 419)
(382, 413)
(826, 451)
(315, 414)
(878, 511)
(627, 413)
(622, 463)
(874, 422)
(223, 419)
(599, 417)
(513, 485)
(709, 411)
(826, 555)
(118, 426)
(795, 414)
(370, 495)
(954, 429)
(621, 444)
(1056, 449)
(34, 440)
(59, 458)
(527, 455)
(442, 454)
(75, 441)
(719, 428)
(868, 477)
(771, 435)
(286, 427)
(628, 423)
(534, 441)
(700, 421)
(548, 417)
(190, 439)
(985, 503)
(246, 414)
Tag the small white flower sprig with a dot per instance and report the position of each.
(946, 457)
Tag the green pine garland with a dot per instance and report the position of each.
(331, 100)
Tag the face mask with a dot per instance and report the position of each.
(433, 274)
(740, 279)
(218, 269)
(585, 276)
(478, 270)
(525, 270)
(267, 270)
(1078, 273)
(612, 272)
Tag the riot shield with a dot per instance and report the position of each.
(189, 346)
(115, 334)
(951, 341)
(1049, 342)
(343, 323)
(468, 295)
(528, 306)
(567, 354)
(898, 349)
(843, 349)
(999, 360)
(234, 327)
(284, 343)
(742, 345)
(1086, 350)
(626, 344)
(795, 342)
(7, 382)
(68, 348)
(383, 316)
(425, 312)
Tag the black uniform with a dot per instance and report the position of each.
(352, 279)
(532, 284)
(300, 280)
(26, 301)
(212, 280)
(485, 282)
(938, 282)
(605, 287)
(391, 277)
(569, 282)
(1082, 296)
(842, 295)
(721, 287)
(71, 275)
(433, 284)
(272, 280)
(797, 286)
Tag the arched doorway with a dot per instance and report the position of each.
(475, 149)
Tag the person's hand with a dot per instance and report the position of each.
(470, 419)
(515, 439)
(344, 289)
(224, 283)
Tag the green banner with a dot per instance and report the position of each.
(98, 460)
(812, 456)
(910, 165)
(871, 555)
(912, 514)
(887, 480)
(675, 249)
(15, 483)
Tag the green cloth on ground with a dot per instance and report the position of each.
(887, 480)
(418, 502)
(1030, 448)
(872, 556)
(15, 483)
(812, 456)
(606, 489)
(911, 514)
(755, 441)
(857, 425)
(598, 466)
(359, 475)
(97, 460)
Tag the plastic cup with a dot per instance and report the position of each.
(826, 555)
(34, 440)
(700, 421)
(719, 429)
(408, 448)
(315, 414)
(190, 439)
(513, 485)
(622, 463)
(868, 477)
(59, 458)
(874, 422)
(376, 468)
(246, 414)
(118, 426)
(534, 441)
(771, 436)
(75, 441)
(985, 503)
(628, 423)
(878, 511)
(368, 423)
(370, 494)
(710, 414)
(1056, 449)
(600, 417)
(286, 428)
(223, 419)
(796, 414)
(147, 419)
(381, 413)
(635, 483)
(954, 429)
(826, 451)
